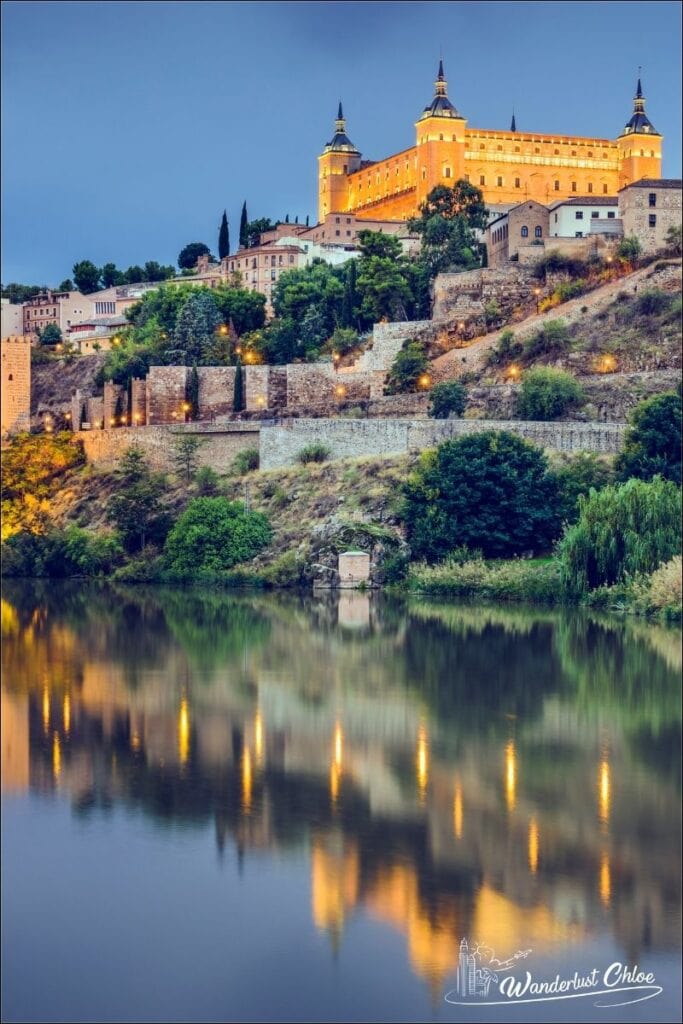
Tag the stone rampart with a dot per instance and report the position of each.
(220, 445)
(281, 443)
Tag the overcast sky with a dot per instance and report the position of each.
(127, 128)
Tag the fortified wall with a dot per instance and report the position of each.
(218, 448)
(15, 395)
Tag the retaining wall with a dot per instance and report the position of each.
(219, 446)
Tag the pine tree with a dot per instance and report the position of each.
(238, 396)
(192, 392)
(224, 238)
(244, 220)
(196, 326)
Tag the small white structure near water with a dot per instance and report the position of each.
(354, 568)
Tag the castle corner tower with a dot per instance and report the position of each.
(640, 145)
(440, 142)
(338, 159)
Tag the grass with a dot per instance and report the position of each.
(531, 580)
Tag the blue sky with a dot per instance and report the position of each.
(127, 128)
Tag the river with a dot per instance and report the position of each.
(222, 806)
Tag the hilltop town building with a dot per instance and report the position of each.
(11, 318)
(15, 394)
(508, 166)
(52, 307)
(649, 208)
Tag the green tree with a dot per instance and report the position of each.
(214, 534)
(547, 394)
(196, 325)
(652, 444)
(576, 476)
(244, 220)
(348, 311)
(134, 274)
(154, 271)
(188, 256)
(67, 285)
(255, 229)
(343, 341)
(447, 399)
(19, 293)
(383, 279)
(629, 249)
(184, 455)
(490, 491)
(448, 220)
(192, 392)
(86, 277)
(238, 394)
(319, 285)
(622, 530)
(110, 275)
(674, 239)
(51, 335)
(224, 238)
(313, 332)
(409, 365)
(136, 508)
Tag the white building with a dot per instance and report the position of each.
(11, 319)
(584, 215)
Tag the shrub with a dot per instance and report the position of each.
(652, 302)
(570, 289)
(652, 444)
(622, 530)
(492, 312)
(447, 399)
(245, 461)
(576, 475)
(664, 592)
(285, 571)
(555, 262)
(547, 394)
(146, 568)
(407, 368)
(506, 350)
(629, 249)
(207, 481)
(61, 553)
(518, 580)
(490, 491)
(314, 453)
(552, 339)
(214, 534)
(343, 341)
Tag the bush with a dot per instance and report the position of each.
(622, 530)
(547, 394)
(146, 568)
(343, 341)
(490, 491)
(576, 475)
(314, 453)
(61, 553)
(552, 339)
(664, 592)
(245, 461)
(207, 481)
(507, 349)
(409, 365)
(556, 262)
(570, 289)
(652, 444)
(214, 534)
(652, 302)
(447, 399)
(518, 580)
(629, 249)
(285, 571)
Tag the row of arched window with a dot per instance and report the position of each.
(538, 231)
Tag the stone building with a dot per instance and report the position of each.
(52, 307)
(15, 395)
(11, 318)
(648, 208)
(508, 166)
(522, 228)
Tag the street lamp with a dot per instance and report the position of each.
(424, 380)
(537, 292)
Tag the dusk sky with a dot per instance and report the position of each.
(128, 127)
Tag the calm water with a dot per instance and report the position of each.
(262, 808)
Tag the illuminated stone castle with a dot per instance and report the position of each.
(508, 166)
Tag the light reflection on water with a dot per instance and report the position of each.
(419, 772)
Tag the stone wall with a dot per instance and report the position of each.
(464, 297)
(387, 340)
(15, 394)
(315, 388)
(216, 390)
(281, 443)
(219, 446)
(139, 411)
(635, 211)
(166, 389)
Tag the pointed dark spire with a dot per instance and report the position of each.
(440, 76)
(440, 84)
(340, 140)
(340, 112)
(639, 122)
(639, 88)
(513, 123)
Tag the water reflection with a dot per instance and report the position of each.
(379, 734)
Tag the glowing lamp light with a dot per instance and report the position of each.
(336, 357)
(112, 421)
(186, 406)
(340, 391)
(238, 350)
(461, 327)
(607, 364)
(513, 372)
(425, 380)
(222, 329)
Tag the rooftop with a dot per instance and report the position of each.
(655, 183)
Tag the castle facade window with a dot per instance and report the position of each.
(538, 232)
(525, 231)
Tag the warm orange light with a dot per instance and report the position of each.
(335, 356)
(246, 780)
(238, 350)
(56, 757)
(607, 363)
(112, 421)
(513, 372)
(461, 326)
(340, 391)
(605, 880)
(510, 775)
(135, 741)
(335, 780)
(457, 811)
(123, 421)
(258, 737)
(184, 731)
(604, 791)
(186, 406)
(66, 713)
(338, 744)
(422, 762)
(223, 329)
(46, 709)
(425, 380)
(533, 846)
(537, 291)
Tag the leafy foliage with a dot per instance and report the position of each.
(653, 441)
(491, 491)
(184, 455)
(622, 530)
(214, 534)
(547, 394)
(313, 453)
(576, 476)
(409, 365)
(189, 254)
(446, 225)
(136, 508)
(629, 249)
(86, 276)
(447, 399)
(245, 461)
(61, 553)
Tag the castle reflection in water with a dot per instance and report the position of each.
(505, 775)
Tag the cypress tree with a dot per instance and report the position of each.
(244, 220)
(224, 238)
(192, 392)
(286, 218)
(306, 220)
(349, 302)
(238, 396)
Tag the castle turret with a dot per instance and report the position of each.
(338, 159)
(440, 141)
(640, 145)
(513, 123)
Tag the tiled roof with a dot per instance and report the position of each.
(587, 201)
(655, 183)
